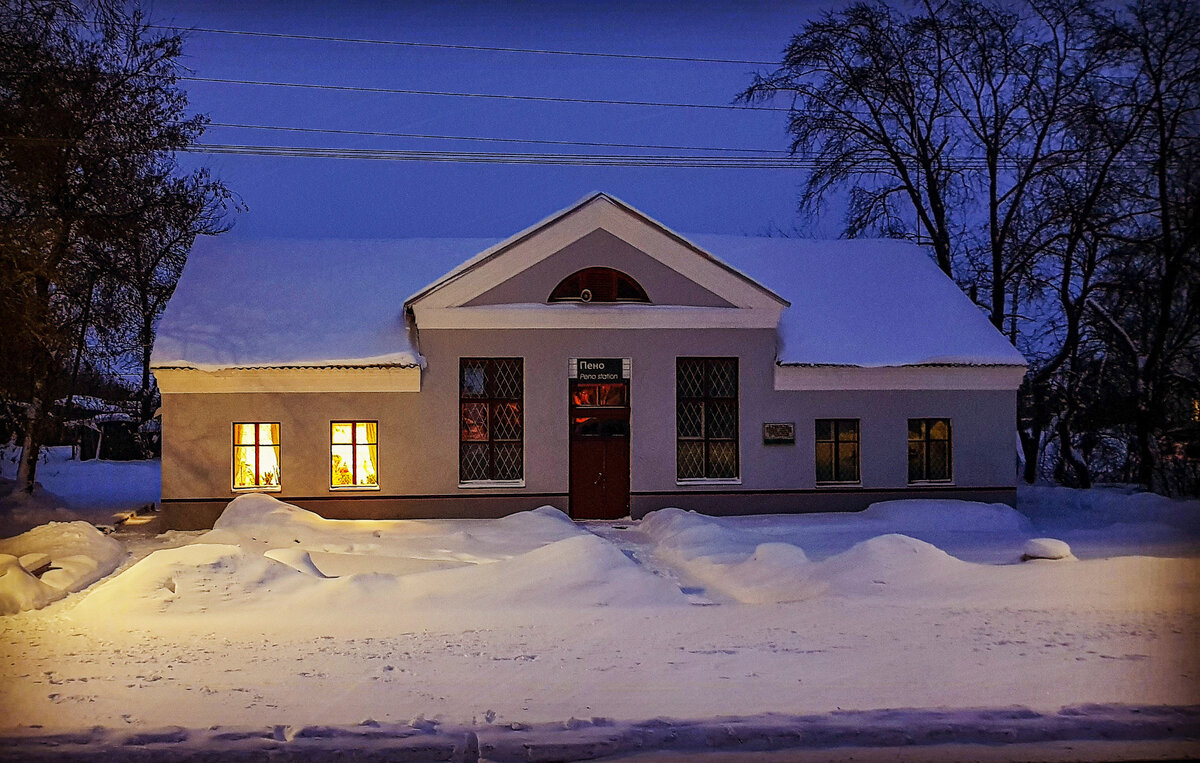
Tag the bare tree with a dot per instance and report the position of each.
(868, 92)
(940, 116)
(87, 101)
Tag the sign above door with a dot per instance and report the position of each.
(599, 369)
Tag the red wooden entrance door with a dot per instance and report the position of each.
(599, 450)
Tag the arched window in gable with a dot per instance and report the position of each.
(598, 285)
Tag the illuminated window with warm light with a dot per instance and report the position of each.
(256, 456)
(353, 455)
(491, 441)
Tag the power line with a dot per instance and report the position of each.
(808, 161)
(477, 157)
(497, 96)
(611, 160)
(424, 136)
(448, 46)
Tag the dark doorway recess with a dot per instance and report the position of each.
(599, 450)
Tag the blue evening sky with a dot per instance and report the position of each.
(321, 197)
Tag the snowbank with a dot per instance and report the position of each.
(1094, 732)
(20, 511)
(743, 563)
(259, 521)
(1046, 548)
(1070, 509)
(264, 554)
(947, 516)
(888, 560)
(79, 556)
(192, 579)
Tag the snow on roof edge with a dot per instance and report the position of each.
(383, 361)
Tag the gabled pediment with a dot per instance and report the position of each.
(518, 275)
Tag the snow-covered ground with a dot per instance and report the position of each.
(101, 492)
(532, 637)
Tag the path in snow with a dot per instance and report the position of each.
(639, 547)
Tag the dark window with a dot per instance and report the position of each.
(598, 285)
(706, 418)
(837, 450)
(491, 419)
(929, 450)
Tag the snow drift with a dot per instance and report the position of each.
(264, 554)
(745, 564)
(79, 556)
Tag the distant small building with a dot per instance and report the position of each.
(99, 428)
(597, 361)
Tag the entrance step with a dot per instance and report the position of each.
(639, 547)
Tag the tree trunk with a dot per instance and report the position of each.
(31, 445)
(1070, 458)
(1031, 450)
(146, 397)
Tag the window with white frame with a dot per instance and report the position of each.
(929, 450)
(256, 464)
(837, 451)
(706, 418)
(491, 442)
(353, 455)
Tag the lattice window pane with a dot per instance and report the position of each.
(689, 419)
(722, 460)
(506, 421)
(508, 461)
(474, 422)
(473, 461)
(506, 379)
(722, 420)
(689, 459)
(722, 377)
(474, 378)
(689, 377)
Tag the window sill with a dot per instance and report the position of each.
(278, 489)
(714, 481)
(353, 488)
(490, 483)
(932, 483)
(846, 485)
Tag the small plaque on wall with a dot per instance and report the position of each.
(779, 433)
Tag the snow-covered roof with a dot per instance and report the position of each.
(865, 302)
(281, 302)
(91, 403)
(274, 303)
